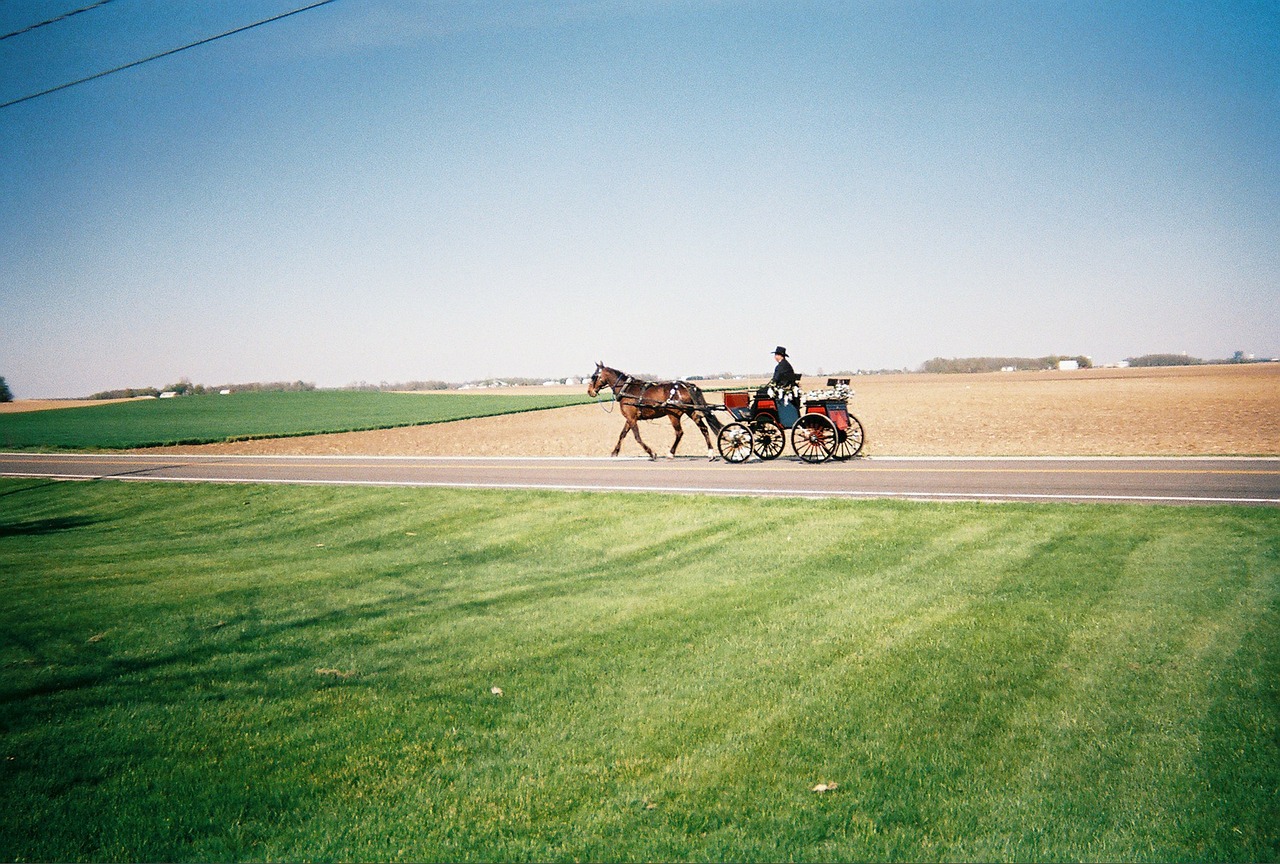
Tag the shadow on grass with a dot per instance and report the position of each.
(37, 527)
(256, 644)
(254, 653)
(31, 487)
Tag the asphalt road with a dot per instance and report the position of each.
(1151, 480)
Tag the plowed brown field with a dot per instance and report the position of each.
(22, 405)
(1181, 411)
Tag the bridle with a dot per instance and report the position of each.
(618, 386)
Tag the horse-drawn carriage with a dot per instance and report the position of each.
(820, 423)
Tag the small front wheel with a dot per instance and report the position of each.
(814, 438)
(770, 440)
(851, 440)
(735, 443)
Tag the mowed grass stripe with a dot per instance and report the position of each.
(196, 672)
(211, 418)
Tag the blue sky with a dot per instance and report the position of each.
(384, 190)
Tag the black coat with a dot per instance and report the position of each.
(784, 375)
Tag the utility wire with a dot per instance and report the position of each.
(54, 20)
(206, 41)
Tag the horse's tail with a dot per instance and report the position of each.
(696, 397)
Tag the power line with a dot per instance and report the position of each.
(54, 20)
(205, 41)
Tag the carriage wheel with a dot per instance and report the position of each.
(735, 443)
(851, 440)
(770, 440)
(814, 438)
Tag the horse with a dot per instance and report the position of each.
(649, 400)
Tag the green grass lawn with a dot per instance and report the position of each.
(209, 418)
(199, 672)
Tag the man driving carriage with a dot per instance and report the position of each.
(784, 376)
(783, 388)
(785, 382)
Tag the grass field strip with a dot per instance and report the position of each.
(209, 671)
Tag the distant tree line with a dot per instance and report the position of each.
(1164, 360)
(126, 393)
(1188, 360)
(411, 386)
(184, 387)
(268, 387)
(383, 386)
(995, 364)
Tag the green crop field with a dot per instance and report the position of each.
(195, 672)
(210, 418)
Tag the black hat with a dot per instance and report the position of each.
(780, 350)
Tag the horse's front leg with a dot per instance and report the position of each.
(632, 425)
(635, 430)
(617, 448)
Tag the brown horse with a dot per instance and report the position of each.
(649, 400)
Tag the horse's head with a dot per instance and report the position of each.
(601, 378)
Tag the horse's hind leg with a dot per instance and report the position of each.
(675, 424)
(706, 436)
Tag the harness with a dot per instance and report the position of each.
(620, 392)
(673, 406)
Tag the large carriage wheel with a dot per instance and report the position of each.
(851, 440)
(770, 440)
(814, 437)
(735, 443)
